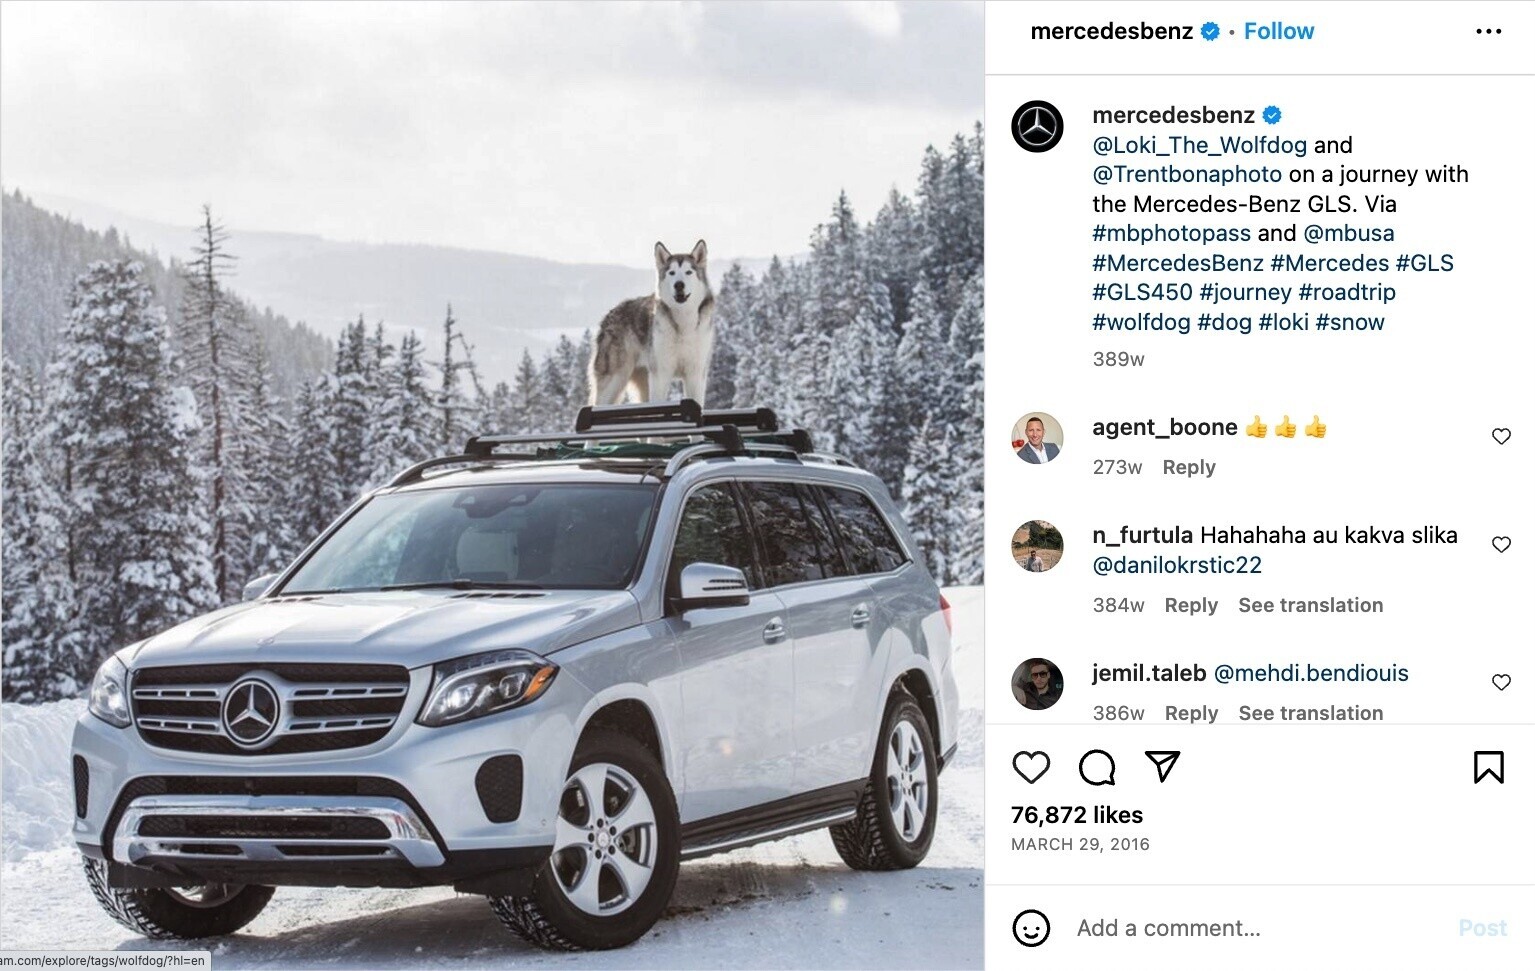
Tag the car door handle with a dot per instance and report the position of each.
(774, 631)
(861, 615)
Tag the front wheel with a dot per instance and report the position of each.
(205, 910)
(616, 853)
(893, 827)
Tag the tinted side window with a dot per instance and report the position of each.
(827, 555)
(866, 538)
(712, 531)
(791, 550)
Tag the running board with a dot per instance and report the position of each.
(775, 820)
(724, 845)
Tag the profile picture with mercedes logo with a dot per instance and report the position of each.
(1037, 126)
(250, 712)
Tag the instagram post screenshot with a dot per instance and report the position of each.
(492, 485)
(495, 485)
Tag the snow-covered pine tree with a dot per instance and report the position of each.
(950, 197)
(735, 329)
(966, 386)
(39, 619)
(459, 392)
(379, 384)
(934, 221)
(407, 420)
(501, 414)
(140, 532)
(314, 493)
(858, 379)
(967, 353)
(965, 201)
(778, 313)
(525, 419)
(721, 389)
(575, 362)
(415, 412)
(216, 339)
(929, 495)
(895, 252)
(272, 544)
(854, 327)
(920, 358)
(563, 380)
(353, 410)
(831, 303)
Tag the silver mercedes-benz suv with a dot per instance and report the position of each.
(547, 670)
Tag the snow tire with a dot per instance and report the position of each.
(548, 918)
(870, 840)
(158, 913)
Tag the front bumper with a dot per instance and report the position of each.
(412, 809)
(272, 829)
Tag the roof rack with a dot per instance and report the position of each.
(777, 447)
(670, 414)
(830, 458)
(656, 430)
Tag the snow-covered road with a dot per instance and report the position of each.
(790, 904)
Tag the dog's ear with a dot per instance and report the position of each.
(662, 256)
(700, 253)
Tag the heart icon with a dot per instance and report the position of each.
(1031, 765)
(1500, 435)
(1500, 681)
(1501, 543)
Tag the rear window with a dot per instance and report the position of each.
(870, 545)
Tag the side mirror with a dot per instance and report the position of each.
(257, 587)
(711, 585)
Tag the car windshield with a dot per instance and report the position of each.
(486, 536)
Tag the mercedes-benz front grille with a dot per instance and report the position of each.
(267, 709)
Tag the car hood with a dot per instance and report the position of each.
(412, 628)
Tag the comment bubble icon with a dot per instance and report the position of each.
(1097, 768)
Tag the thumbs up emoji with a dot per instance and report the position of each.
(1316, 429)
(1257, 429)
(1285, 429)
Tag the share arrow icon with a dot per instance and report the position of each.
(1164, 761)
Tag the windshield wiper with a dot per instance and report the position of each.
(463, 585)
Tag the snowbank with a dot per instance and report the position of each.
(37, 803)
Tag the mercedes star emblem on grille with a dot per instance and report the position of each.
(250, 712)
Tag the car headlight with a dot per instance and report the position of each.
(469, 687)
(109, 694)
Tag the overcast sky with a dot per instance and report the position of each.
(579, 132)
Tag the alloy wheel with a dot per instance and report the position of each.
(604, 839)
(906, 781)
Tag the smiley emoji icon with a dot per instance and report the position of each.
(1031, 928)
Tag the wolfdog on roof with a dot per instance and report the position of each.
(645, 343)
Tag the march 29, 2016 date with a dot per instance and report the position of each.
(1080, 844)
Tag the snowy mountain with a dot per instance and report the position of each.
(44, 254)
(505, 302)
